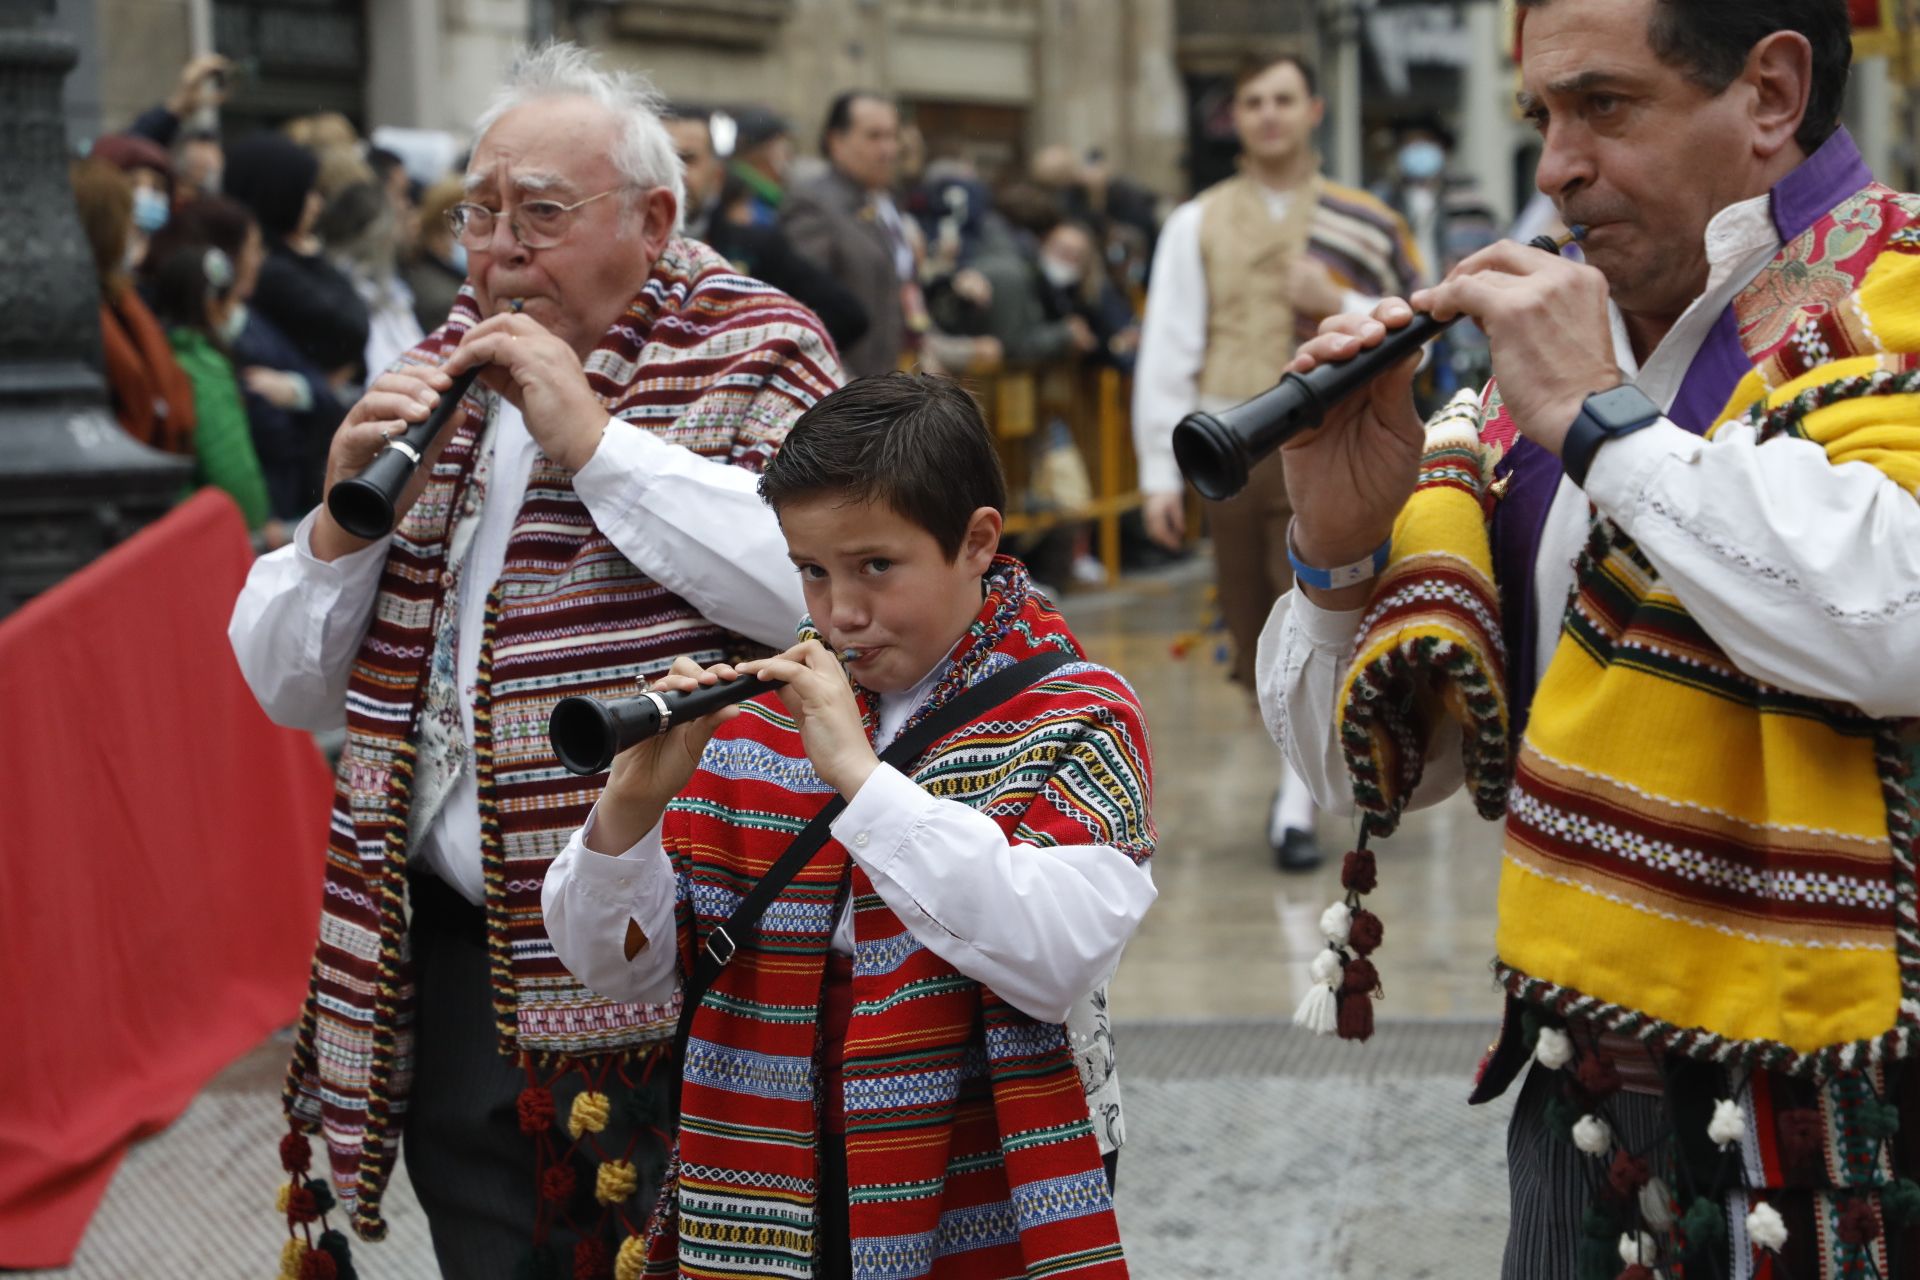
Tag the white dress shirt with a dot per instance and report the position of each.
(695, 526)
(1806, 574)
(1173, 341)
(1042, 926)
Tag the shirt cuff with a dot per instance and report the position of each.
(1329, 630)
(616, 870)
(1622, 472)
(880, 818)
(367, 561)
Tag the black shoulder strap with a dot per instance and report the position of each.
(969, 705)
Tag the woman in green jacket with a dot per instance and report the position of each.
(194, 297)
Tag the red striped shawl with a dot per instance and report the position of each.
(969, 1148)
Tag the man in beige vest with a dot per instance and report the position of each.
(1243, 273)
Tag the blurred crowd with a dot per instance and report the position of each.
(251, 287)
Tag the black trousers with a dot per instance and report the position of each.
(470, 1165)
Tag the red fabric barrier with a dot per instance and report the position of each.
(160, 854)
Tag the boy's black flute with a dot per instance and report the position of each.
(587, 733)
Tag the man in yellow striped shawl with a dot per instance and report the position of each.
(1652, 598)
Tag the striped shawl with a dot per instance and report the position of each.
(969, 1148)
(705, 359)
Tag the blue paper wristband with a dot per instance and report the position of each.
(1346, 575)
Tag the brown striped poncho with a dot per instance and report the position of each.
(704, 358)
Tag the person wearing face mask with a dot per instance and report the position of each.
(150, 171)
(151, 396)
(437, 265)
(195, 297)
(1450, 221)
(1077, 285)
(291, 409)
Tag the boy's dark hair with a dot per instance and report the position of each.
(915, 442)
(1255, 65)
(1709, 40)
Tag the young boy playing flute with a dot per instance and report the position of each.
(881, 1081)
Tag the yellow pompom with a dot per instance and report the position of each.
(589, 1114)
(616, 1181)
(280, 1201)
(291, 1257)
(631, 1262)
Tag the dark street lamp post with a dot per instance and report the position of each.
(72, 483)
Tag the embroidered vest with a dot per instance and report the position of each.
(1253, 327)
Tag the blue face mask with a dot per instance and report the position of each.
(149, 209)
(457, 257)
(1421, 160)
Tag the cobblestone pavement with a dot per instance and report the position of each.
(1253, 1152)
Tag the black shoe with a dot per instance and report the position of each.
(1298, 851)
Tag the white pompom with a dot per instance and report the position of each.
(1656, 1204)
(1729, 1123)
(1591, 1135)
(1554, 1049)
(1326, 968)
(1638, 1249)
(1337, 923)
(1319, 1012)
(1766, 1228)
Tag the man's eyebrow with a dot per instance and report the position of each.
(1585, 82)
(540, 182)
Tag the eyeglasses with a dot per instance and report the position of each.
(536, 224)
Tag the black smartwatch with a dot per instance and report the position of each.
(1605, 416)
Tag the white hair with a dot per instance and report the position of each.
(644, 155)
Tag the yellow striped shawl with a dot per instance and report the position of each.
(1722, 868)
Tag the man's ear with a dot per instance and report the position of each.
(659, 214)
(982, 540)
(1779, 75)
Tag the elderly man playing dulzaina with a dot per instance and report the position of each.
(1656, 600)
(588, 516)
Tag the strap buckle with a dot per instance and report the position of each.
(717, 939)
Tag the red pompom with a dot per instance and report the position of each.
(536, 1110)
(1358, 872)
(589, 1259)
(318, 1265)
(1859, 1223)
(1628, 1174)
(1365, 933)
(1637, 1271)
(301, 1205)
(556, 1184)
(296, 1153)
(1355, 1017)
(1597, 1077)
(1360, 977)
(1802, 1135)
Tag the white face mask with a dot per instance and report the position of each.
(1061, 275)
(235, 323)
(149, 209)
(457, 257)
